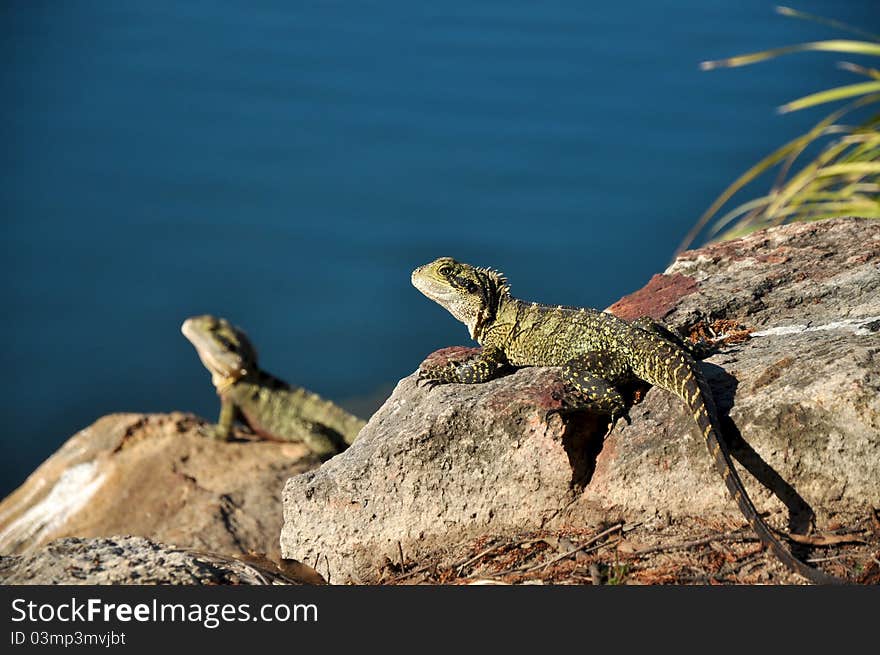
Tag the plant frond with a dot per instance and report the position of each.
(830, 22)
(830, 95)
(837, 45)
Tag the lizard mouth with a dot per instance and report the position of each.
(436, 291)
(221, 363)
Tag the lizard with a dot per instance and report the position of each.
(597, 352)
(269, 406)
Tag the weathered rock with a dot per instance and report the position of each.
(155, 476)
(129, 560)
(437, 466)
(804, 391)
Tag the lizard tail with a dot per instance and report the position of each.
(694, 391)
(315, 408)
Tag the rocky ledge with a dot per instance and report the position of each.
(800, 397)
(155, 476)
(135, 560)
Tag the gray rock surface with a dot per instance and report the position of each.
(128, 560)
(437, 466)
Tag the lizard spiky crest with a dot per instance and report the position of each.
(498, 281)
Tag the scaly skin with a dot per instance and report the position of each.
(270, 407)
(597, 352)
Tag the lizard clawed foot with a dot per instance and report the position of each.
(426, 382)
(212, 431)
(614, 421)
(702, 349)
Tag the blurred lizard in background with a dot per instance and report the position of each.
(270, 407)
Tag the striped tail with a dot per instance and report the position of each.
(693, 389)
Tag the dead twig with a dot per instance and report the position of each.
(473, 559)
(460, 567)
(413, 572)
(725, 571)
(813, 560)
(589, 542)
(826, 540)
(684, 545)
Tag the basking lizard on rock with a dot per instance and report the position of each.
(598, 352)
(270, 407)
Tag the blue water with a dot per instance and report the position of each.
(287, 164)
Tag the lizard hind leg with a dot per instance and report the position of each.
(698, 350)
(594, 376)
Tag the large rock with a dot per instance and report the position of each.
(129, 560)
(155, 476)
(434, 467)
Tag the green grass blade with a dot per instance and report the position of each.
(744, 208)
(843, 178)
(836, 45)
(859, 70)
(816, 168)
(830, 95)
(766, 163)
(830, 22)
(857, 168)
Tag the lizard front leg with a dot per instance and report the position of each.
(222, 431)
(490, 363)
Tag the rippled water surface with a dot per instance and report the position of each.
(287, 164)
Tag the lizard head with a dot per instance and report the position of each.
(469, 293)
(224, 349)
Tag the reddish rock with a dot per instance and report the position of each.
(656, 299)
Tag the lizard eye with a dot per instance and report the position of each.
(445, 270)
